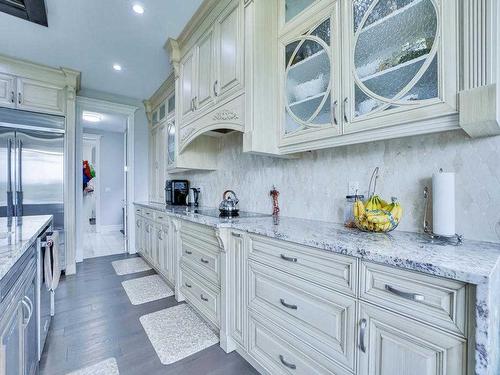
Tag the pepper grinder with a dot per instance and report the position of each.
(275, 194)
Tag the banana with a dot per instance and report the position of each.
(359, 208)
(378, 217)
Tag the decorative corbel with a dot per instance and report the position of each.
(223, 235)
(172, 47)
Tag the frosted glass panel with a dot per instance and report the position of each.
(294, 7)
(308, 80)
(171, 142)
(394, 48)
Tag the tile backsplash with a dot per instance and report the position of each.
(315, 185)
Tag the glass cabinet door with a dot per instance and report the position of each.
(394, 61)
(295, 7)
(171, 142)
(308, 78)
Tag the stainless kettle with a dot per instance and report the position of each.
(229, 204)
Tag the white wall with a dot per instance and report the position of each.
(315, 185)
(111, 175)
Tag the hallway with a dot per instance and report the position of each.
(95, 321)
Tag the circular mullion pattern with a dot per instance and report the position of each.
(302, 39)
(418, 75)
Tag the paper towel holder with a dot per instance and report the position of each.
(455, 240)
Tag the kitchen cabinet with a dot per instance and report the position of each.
(31, 95)
(394, 69)
(208, 60)
(7, 90)
(18, 322)
(285, 306)
(165, 155)
(393, 345)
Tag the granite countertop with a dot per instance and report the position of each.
(472, 262)
(16, 236)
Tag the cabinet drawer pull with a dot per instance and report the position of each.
(203, 298)
(287, 364)
(215, 88)
(362, 331)
(188, 285)
(204, 261)
(399, 293)
(288, 259)
(188, 252)
(334, 112)
(345, 110)
(287, 305)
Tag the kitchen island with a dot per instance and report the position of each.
(20, 298)
(474, 264)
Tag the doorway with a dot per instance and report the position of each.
(105, 182)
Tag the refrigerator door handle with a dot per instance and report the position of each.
(19, 181)
(10, 198)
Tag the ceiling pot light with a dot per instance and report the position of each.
(138, 8)
(117, 67)
(91, 116)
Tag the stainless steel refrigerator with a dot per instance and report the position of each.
(32, 167)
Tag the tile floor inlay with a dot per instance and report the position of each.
(177, 332)
(132, 265)
(106, 367)
(146, 289)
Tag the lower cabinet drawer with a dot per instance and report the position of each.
(437, 301)
(323, 319)
(281, 353)
(202, 258)
(201, 295)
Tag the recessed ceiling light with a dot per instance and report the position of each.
(91, 116)
(138, 8)
(117, 67)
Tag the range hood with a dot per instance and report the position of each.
(30, 10)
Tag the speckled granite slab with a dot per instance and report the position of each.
(146, 289)
(132, 265)
(474, 262)
(177, 332)
(106, 367)
(16, 236)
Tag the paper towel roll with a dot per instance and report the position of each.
(443, 204)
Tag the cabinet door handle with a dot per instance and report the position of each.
(362, 332)
(188, 285)
(188, 252)
(288, 259)
(204, 261)
(215, 88)
(287, 364)
(195, 102)
(203, 298)
(19, 98)
(334, 112)
(399, 293)
(345, 109)
(12, 97)
(287, 305)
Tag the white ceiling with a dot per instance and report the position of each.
(92, 35)
(110, 123)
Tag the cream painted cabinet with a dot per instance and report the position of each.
(7, 90)
(229, 51)
(31, 95)
(39, 96)
(392, 345)
(205, 87)
(394, 72)
(187, 86)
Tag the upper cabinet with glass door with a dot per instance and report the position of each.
(311, 74)
(402, 62)
(394, 68)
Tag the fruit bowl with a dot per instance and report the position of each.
(376, 215)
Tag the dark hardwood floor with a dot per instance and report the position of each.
(95, 321)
